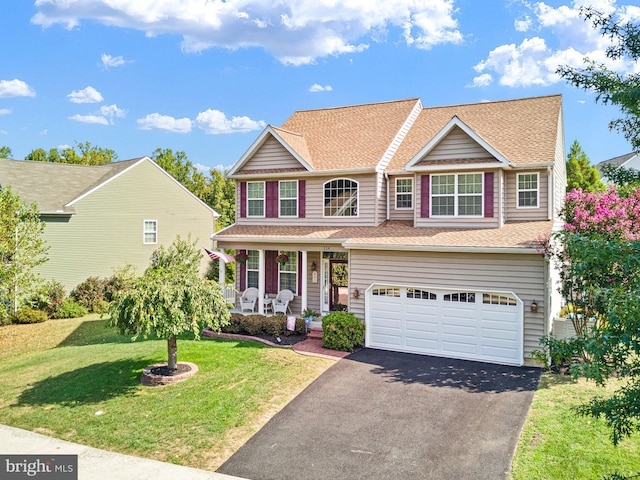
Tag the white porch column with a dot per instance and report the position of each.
(261, 276)
(221, 272)
(303, 299)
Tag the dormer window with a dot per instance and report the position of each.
(341, 198)
(454, 195)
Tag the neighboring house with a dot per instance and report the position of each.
(98, 218)
(628, 161)
(433, 214)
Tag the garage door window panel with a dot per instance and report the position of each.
(462, 297)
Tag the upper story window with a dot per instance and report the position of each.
(404, 193)
(255, 199)
(150, 232)
(288, 196)
(341, 198)
(455, 195)
(528, 190)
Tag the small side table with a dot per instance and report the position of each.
(268, 304)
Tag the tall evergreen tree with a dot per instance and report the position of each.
(581, 174)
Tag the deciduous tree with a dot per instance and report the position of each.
(5, 152)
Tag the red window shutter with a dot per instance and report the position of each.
(488, 195)
(243, 199)
(424, 196)
(302, 198)
(242, 271)
(272, 199)
(271, 271)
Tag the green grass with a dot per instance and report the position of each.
(557, 444)
(78, 380)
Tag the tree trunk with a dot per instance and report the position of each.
(172, 348)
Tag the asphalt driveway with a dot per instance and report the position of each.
(378, 414)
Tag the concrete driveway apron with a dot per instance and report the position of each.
(378, 414)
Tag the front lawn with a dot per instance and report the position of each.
(77, 380)
(557, 444)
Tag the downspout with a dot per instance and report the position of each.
(552, 197)
(386, 177)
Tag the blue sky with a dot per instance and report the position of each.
(206, 76)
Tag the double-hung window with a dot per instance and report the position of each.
(253, 268)
(150, 232)
(455, 195)
(288, 272)
(404, 193)
(288, 195)
(528, 190)
(255, 199)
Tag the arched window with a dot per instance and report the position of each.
(341, 198)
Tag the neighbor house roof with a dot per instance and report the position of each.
(53, 185)
(524, 131)
(397, 234)
(617, 161)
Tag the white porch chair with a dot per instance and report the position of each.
(230, 293)
(248, 299)
(281, 302)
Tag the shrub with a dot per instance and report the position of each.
(90, 293)
(29, 315)
(70, 309)
(557, 353)
(253, 324)
(342, 331)
(49, 297)
(235, 324)
(257, 324)
(119, 282)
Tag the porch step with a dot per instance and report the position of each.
(315, 333)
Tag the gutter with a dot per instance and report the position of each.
(439, 248)
(386, 177)
(337, 241)
(315, 173)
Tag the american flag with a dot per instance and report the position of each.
(215, 255)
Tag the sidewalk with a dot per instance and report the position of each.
(94, 464)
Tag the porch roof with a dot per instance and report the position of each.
(396, 235)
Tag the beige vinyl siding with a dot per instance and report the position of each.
(514, 213)
(314, 193)
(381, 199)
(521, 274)
(455, 145)
(403, 214)
(272, 155)
(559, 171)
(458, 222)
(107, 229)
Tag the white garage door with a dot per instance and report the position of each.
(465, 324)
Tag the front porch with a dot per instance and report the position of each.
(319, 280)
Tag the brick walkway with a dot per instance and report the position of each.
(313, 347)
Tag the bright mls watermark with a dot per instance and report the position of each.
(50, 467)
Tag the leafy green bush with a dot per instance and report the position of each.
(49, 297)
(556, 352)
(70, 309)
(90, 293)
(258, 324)
(119, 282)
(29, 315)
(342, 331)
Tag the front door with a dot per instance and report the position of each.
(339, 277)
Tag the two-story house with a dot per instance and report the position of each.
(433, 216)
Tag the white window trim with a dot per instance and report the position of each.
(405, 193)
(247, 270)
(357, 199)
(296, 198)
(295, 290)
(456, 195)
(144, 232)
(264, 201)
(537, 190)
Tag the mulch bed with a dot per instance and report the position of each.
(271, 340)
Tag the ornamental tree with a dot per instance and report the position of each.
(170, 298)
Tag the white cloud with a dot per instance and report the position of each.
(215, 122)
(87, 95)
(93, 119)
(112, 111)
(155, 121)
(5, 111)
(316, 87)
(15, 88)
(109, 61)
(294, 31)
(563, 38)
